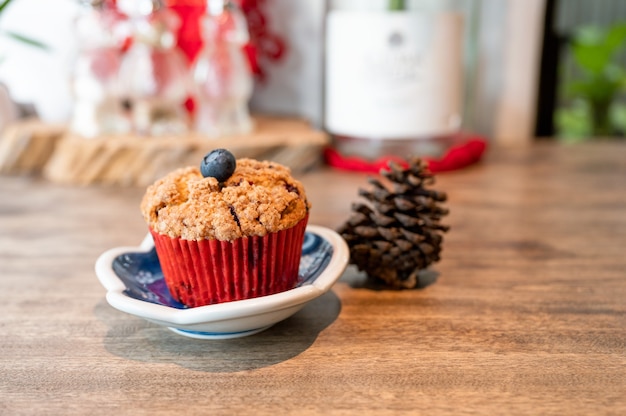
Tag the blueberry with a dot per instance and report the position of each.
(219, 164)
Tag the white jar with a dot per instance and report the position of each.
(394, 76)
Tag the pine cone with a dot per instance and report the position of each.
(398, 233)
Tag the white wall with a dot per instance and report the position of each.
(295, 83)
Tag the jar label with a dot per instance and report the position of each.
(395, 75)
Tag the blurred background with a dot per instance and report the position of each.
(530, 68)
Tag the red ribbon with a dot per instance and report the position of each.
(459, 156)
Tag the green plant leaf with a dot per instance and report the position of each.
(573, 123)
(594, 89)
(615, 37)
(27, 40)
(617, 116)
(396, 5)
(3, 5)
(593, 48)
(592, 93)
(588, 35)
(592, 58)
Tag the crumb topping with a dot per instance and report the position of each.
(259, 198)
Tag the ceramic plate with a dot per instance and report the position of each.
(134, 282)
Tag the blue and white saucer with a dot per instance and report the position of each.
(134, 282)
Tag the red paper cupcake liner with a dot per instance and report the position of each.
(206, 272)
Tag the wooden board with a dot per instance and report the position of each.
(27, 145)
(135, 160)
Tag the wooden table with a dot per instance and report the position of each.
(527, 314)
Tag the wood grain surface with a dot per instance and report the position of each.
(139, 161)
(32, 146)
(525, 314)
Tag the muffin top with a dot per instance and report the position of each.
(257, 199)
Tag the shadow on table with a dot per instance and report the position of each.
(136, 339)
(359, 280)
